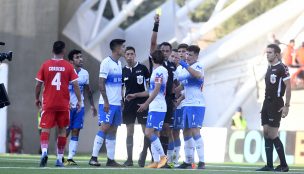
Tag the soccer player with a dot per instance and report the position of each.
(157, 109)
(109, 103)
(192, 81)
(166, 137)
(55, 74)
(277, 81)
(77, 118)
(178, 123)
(174, 58)
(135, 77)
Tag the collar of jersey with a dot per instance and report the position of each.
(113, 60)
(133, 66)
(276, 63)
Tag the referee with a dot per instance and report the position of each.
(135, 77)
(277, 81)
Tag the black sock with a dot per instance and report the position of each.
(130, 147)
(164, 142)
(280, 150)
(147, 145)
(269, 151)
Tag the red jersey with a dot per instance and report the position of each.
(56, 74)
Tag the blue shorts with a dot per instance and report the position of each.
(155, 120)
(76, 118)
(113, 117)
(178, 122)
(193, 116)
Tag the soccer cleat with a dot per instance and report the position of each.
(265, 168)
(281, 168)
(162, 162)
(176, 164)
(70, 162)
(59, 163)
(142, 159)
(185, 166)
(93, 161)
(152, 165)
(168, 166)
(43, 160)
(201, 165)
(128, 163)
(113, 163)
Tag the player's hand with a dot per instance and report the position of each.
(38, 103)
(106, 107)
(142, 107)
(130, 97)
(156, 18)
(78, 106)
(284, 111)
(94, 111)
(183, 64)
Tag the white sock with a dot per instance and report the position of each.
(159, 148)
(59, 157)
(156, 156)
(72, 148)
(44, 151)
(199, 145)
(170, 154)
(97, 145)
(189, 150)
(110, 145)
(176, 153)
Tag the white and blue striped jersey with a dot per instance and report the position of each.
(193, 87)
(112, 72)
(159, 75)
(83, 79)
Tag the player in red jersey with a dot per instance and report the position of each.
(55, 74)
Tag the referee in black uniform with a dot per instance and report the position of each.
(166, 136)
(135, 77)
(277, 81)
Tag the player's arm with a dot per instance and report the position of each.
(179, 88)
(88, 90)
(77, 92)
(144, 106)
(193, 72)
(153, 44)
(103, 92)
(285, 108)
(179, 100)
(37, 93)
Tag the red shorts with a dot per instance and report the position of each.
(49, 119)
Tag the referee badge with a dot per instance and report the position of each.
(273, 78)
(140, 79)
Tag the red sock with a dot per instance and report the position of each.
(61, 141)
(44, 139)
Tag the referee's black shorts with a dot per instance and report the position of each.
(129, 112)
(269, 114)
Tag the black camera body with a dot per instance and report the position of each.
(8, 55)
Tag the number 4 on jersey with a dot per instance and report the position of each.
(56, 81)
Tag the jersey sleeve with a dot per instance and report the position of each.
(73, 74)
(104, 69)
(40, 74)
(199, 68)
(285, 73)
(159, 77)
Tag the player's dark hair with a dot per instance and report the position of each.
(175, 50)
(72, 53)
(58, 47)
(183, 45)
(116, 42)
(165, 44)
(158, 57)
(194, 48)
(275, 47)
(130, 48)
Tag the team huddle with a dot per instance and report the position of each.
(165, 98)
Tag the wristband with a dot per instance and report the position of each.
(155, 27)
